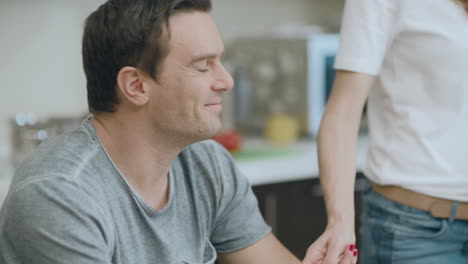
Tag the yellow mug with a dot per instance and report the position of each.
(281, 129)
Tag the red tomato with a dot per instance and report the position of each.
(231, 140)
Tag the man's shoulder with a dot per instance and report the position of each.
(59, 155)
(52, 206)
(52, 176)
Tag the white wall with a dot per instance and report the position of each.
(240, 17)
(40, 47)
(40, 64)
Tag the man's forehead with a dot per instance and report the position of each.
(194, 32)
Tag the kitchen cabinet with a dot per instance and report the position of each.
(296, 211)
(289, 193)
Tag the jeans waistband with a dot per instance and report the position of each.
(438, 207)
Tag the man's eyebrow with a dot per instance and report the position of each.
(203, 57)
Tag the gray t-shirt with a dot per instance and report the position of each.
(69, 204)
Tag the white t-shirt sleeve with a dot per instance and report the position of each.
(367, 30)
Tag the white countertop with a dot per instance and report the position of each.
(299, 163)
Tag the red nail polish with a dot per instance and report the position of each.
(355, 253)
(351, 247)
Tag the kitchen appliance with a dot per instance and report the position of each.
(281, 75)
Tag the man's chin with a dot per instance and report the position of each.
(213, 132)
(208, 131)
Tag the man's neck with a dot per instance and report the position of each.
(141, 156)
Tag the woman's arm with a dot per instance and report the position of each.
(337, 158)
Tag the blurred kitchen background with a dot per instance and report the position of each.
(40, 47)
(279, 52)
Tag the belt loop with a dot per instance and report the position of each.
(453, 212)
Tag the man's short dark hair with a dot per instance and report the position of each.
(127, 33)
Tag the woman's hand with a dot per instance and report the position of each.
(335, 245)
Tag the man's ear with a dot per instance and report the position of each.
(130, 84)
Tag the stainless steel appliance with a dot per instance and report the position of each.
(287, 75)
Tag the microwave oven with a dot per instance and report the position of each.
(287, 75)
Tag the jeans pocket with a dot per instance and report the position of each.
(399, 219)
(413, 225)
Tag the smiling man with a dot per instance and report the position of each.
(138, 182)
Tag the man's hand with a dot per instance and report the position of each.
(335, 245)
(267, 250)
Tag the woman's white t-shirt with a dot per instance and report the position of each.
(418, 107)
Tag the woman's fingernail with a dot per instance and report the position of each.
(351, 247)
(355, 253)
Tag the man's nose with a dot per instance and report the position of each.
(224, 81)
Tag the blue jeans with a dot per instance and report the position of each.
(394, 233)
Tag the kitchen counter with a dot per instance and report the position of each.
(296, 162)
(265, 164)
